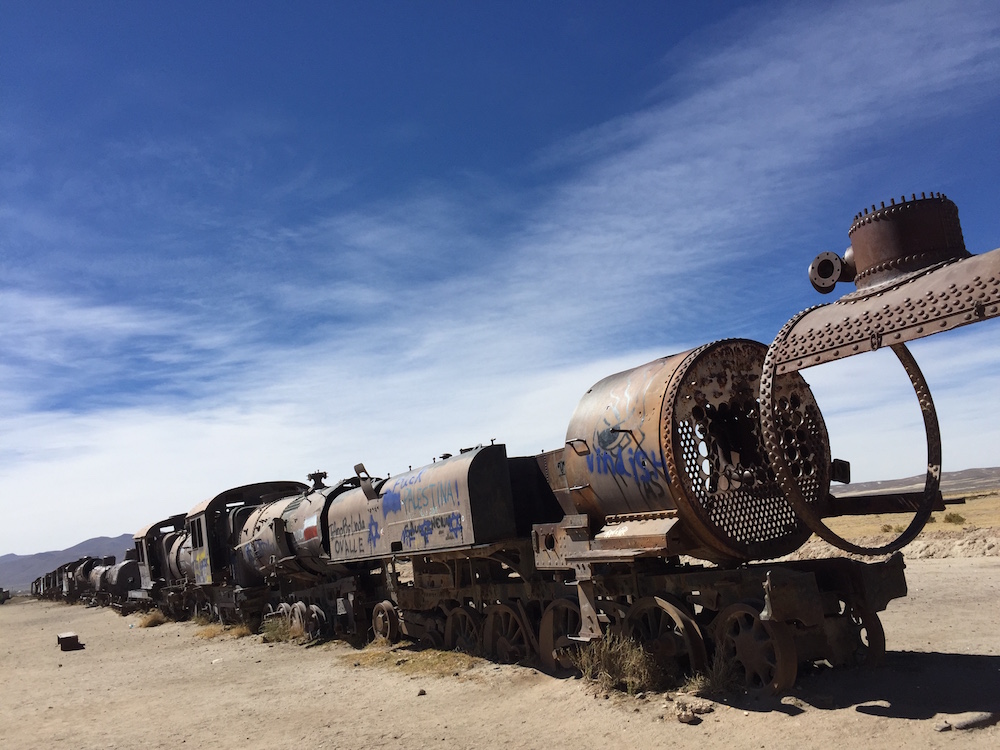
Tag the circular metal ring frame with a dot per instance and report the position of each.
(807, 512)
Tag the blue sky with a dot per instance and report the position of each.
(243, 241)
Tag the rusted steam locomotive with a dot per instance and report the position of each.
(97, 580)
(676, 479)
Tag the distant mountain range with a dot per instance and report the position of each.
(18, 571)
(967, 481)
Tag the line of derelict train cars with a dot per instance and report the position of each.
(674, 479)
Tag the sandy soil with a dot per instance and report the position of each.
(166, 687)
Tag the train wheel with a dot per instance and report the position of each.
(313, 619)
(385, 621)
(463, 630)
(299, 618)
(505, 636)
(763, 651)
(560, 620)
(667, 632)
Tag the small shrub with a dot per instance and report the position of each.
(279, 630)
(932, 519)
(898, 529)
(153, 619)
(203, 619)
(724, 675)
(618, 663)
(886, 528)
(954, 517)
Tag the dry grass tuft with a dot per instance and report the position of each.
(412, 659)
(619, 663)
(722, 677)
(213, 630)
(216, 629)
(954, 517)
(240, 631)
(153, 619)
(279, 630)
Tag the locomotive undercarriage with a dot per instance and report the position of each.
(767, 618)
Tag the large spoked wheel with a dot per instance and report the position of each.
(668, 633)
(462, 630)
(560, 621)
(385, 621)
(505, 635)
(763, 651)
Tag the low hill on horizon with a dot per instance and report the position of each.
(952, 483)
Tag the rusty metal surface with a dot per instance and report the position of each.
(151, 542)
(178, 555)
(726, 490)
(214, 525)
(456, 502)
(121, 578)
(812, 511)
(914, 279)
(682, 434)
(614, 447)
(923, 303)
(263, 546)
(899, 502)
(891, 241)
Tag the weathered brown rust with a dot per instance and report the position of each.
(914, 278)
(894, 240)
(681, 435)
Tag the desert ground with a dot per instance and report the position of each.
(173, 686)
(166, 687)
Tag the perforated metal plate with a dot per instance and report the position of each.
(727, 489)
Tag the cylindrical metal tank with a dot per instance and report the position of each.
(263, 544)
(177, 554)
(453, 503)
(291, 535)
(682, 434)
(122, 578)
(98, 577)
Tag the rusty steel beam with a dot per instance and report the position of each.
(913, 278)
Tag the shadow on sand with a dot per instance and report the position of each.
(908, 685)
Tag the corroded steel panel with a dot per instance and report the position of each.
(215, 525)
(913, 278)
(455, 502)
(178, 556)
(614, 450)
(260, 545)
(682, 433)
(922, 303)
(122, 577)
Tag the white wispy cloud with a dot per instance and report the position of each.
(244, 337)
